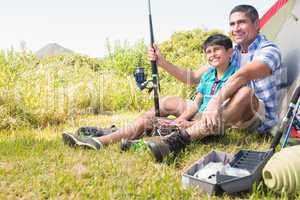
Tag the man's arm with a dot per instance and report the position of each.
(251, 71)
(186, 76)
(266, 61)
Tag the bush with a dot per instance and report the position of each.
(37, 92)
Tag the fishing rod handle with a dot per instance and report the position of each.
(296, 95)
(278, 135)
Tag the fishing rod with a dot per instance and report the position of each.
(142, 83)
(289, 129)
(140, 75)
(288, 119)
(153, 66)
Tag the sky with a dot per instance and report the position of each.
(86, 26)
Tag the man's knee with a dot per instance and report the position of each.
(246, 96)
(245, 92)
(247, 102)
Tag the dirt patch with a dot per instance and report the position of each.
(79, 170)
(6, 166)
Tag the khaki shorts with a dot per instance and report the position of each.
(256, 120)
(250, 125)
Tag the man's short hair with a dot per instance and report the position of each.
(250, 11)
(217, 39)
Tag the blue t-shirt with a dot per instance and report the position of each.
(210, 85)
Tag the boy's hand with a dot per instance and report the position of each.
(166, 122)
(183, 123)
(155, 55)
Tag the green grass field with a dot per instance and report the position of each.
(35, 164)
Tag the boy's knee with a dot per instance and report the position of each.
(168, 100)
(171, 104)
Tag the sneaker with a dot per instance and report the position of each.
(132, 144)
(173, 143)
(95, 131)
(136, 144)
(81, 141)
(126, 144)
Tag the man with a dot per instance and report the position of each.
(250, 92)
(249, 95)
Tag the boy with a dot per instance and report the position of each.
(218, 51)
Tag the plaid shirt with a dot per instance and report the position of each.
(265, 89)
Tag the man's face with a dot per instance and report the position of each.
(242, 28)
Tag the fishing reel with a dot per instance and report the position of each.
(141, 79)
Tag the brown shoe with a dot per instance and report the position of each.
(173, 143)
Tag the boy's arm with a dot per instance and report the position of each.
(184, 75)
(192, 110)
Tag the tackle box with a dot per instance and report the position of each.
(252, 161)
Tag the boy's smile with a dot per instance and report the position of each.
(218, 56)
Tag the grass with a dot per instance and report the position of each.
(34, 164)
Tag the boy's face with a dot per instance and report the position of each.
(217, 55)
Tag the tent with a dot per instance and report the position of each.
(281, 24)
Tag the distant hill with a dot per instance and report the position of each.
(52, 49)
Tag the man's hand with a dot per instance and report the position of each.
(210, 119)
(155, 55)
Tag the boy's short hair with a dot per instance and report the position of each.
(217, 39)
(249, 11)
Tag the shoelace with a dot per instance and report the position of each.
(176, 142)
